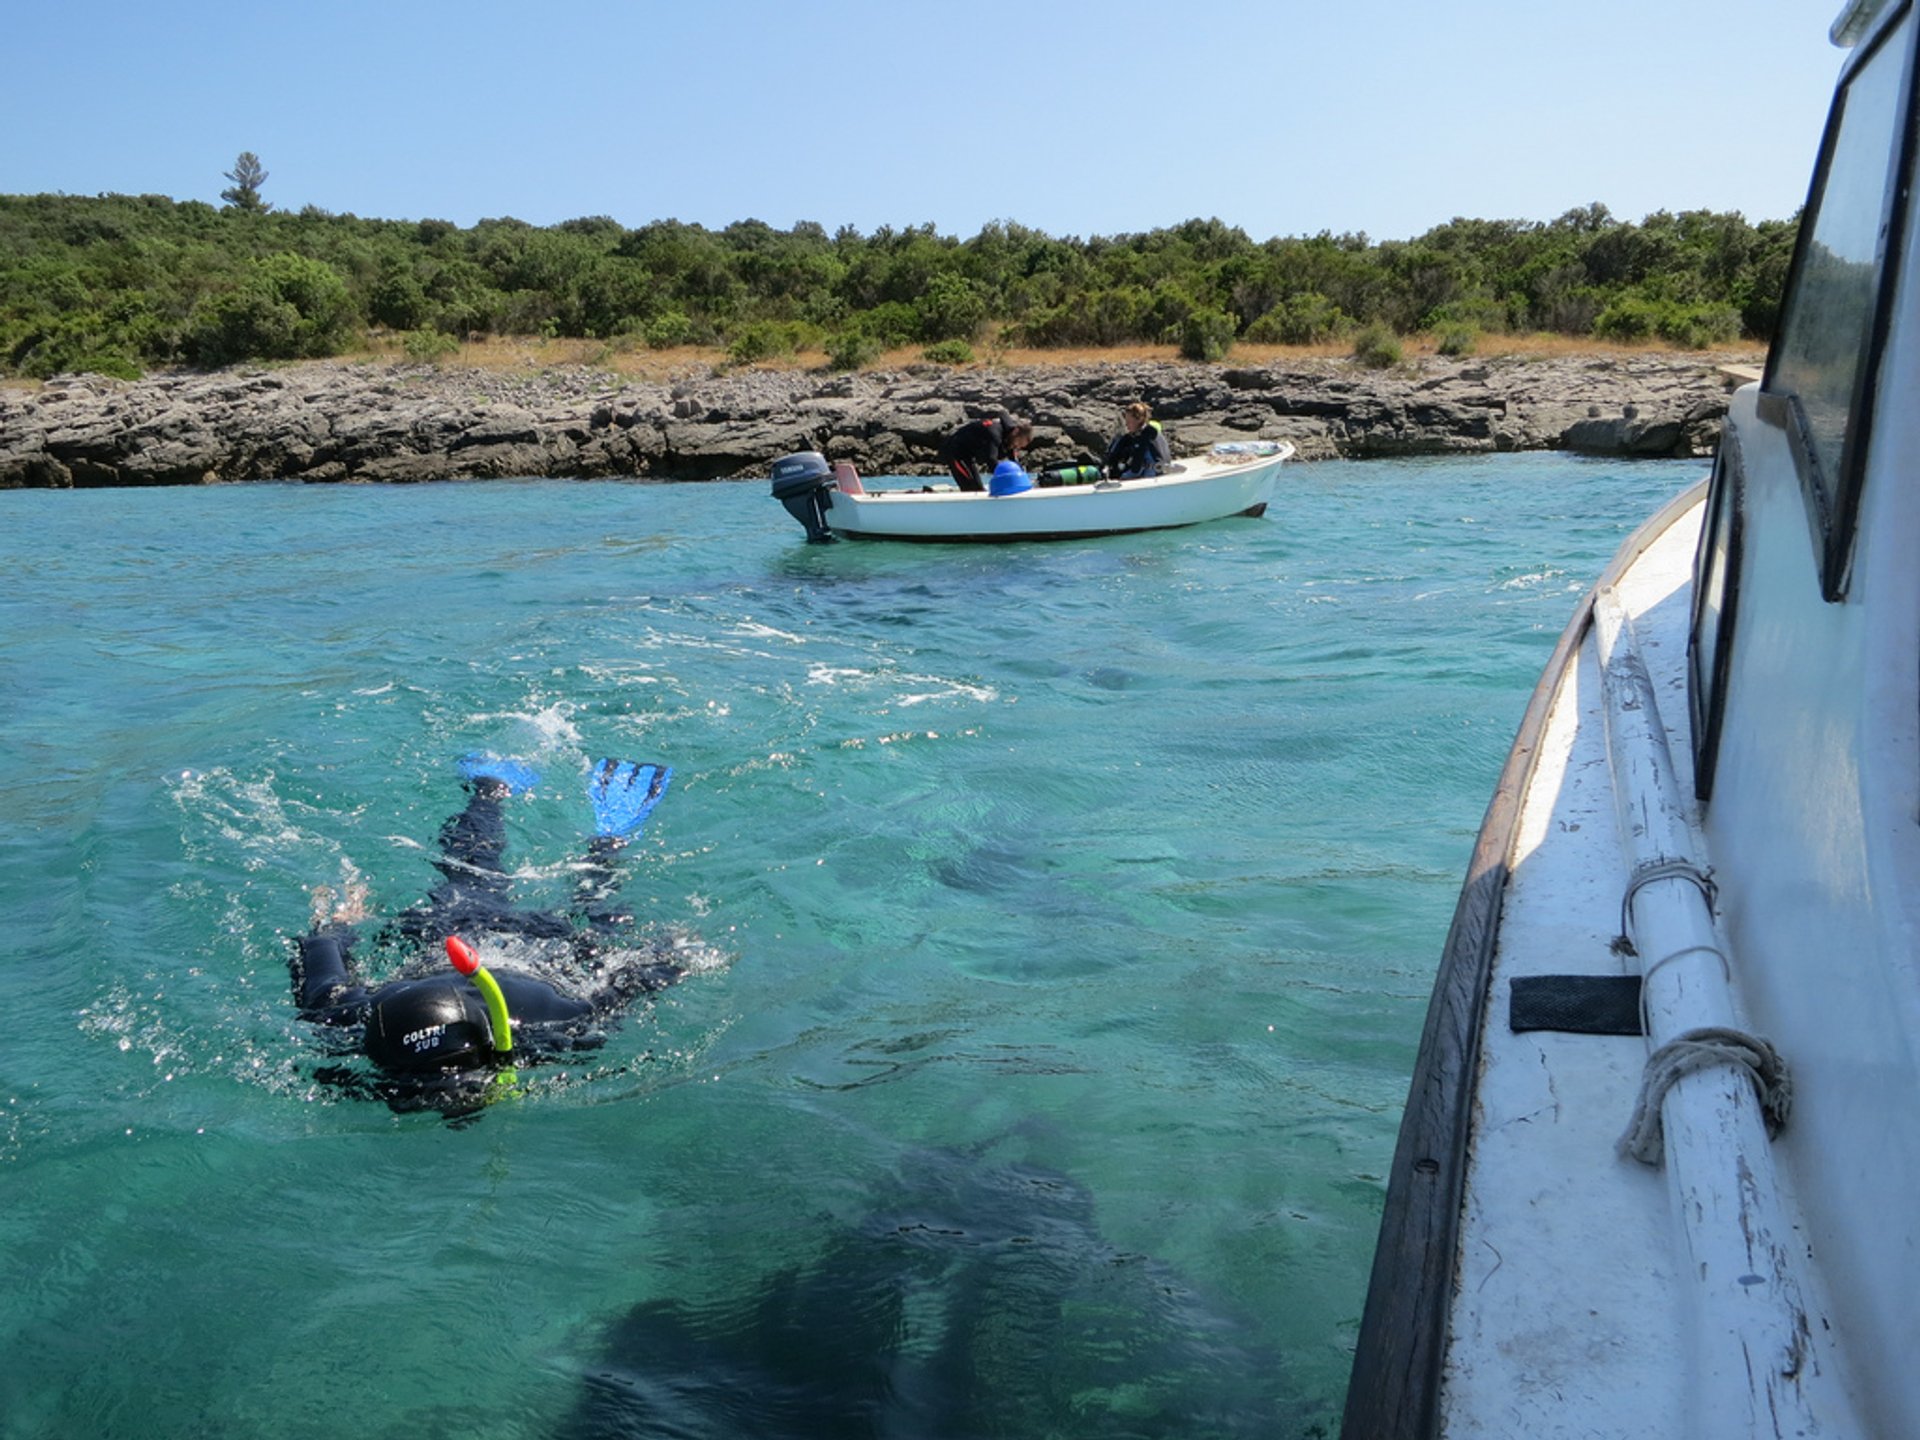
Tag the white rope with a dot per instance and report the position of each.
(1665, 869)
(1696, 1050)
(1649, 971)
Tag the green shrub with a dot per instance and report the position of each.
(759, 340)
(1456, 339)
(428, 345)
(1377, 347)
(951, 309)
(1479, 314)
(1042, 327)
(1206, 335)
(668, 330)
(1308, 318)
(1266, 330)
(1631, 317)
(397, 301)
(117, 366)
(42, 346)
(891, 323)
(949, 352)
(317, 291)
(464, 302)
(1164, 313)
(243, 325)
(287, 307)
(851, 350)
(1112, 315)
(1695, 327)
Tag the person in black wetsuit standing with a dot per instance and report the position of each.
(976, 447)
(430, 1033)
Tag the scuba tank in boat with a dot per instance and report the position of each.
(1068, 475)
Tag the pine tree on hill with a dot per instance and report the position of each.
(248, 176)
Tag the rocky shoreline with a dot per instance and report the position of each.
(331, 422)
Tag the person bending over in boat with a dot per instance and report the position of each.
(443, 1041)
(976, 447)
(1141, 446)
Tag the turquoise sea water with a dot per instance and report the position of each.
(1061, 920)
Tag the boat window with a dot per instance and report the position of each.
(1716, 591)
(1820, 372)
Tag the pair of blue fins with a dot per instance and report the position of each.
(621, 792)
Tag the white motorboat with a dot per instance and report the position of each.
(832, 500)
(1693, 901)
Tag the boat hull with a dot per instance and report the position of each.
(1196, 492)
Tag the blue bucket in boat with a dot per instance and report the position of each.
(1009, 479)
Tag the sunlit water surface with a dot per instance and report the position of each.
(1060, 921)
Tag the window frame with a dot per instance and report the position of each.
(1717, 558)
(1833, 501)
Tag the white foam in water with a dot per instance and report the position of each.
(821, 674)
(547, 729)
(754, 631)
(945, 690)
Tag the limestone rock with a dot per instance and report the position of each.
(330, 422)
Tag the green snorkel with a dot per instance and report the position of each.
(498, 1021)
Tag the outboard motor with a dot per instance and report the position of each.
(804, 484)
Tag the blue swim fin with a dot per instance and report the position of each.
(624, 792)
(518, 776)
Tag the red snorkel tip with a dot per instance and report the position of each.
(462, 956)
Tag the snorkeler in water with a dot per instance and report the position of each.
(440, 1037)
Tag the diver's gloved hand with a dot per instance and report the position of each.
(624, 792)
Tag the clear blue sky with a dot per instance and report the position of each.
(1281, 117)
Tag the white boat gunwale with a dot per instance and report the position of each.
(1394, 1390)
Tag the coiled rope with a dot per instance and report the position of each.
(1693, 1051)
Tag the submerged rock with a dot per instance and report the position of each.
(333, 422)
(974, 1300)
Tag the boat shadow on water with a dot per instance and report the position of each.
(975, 1300)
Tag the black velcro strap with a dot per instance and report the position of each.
(1577, 1004)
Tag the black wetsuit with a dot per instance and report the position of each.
(472, 902)
(973, 450)
(1139, 452)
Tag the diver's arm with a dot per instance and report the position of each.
(322, 971)
(532, 1000)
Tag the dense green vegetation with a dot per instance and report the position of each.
(120, 283)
